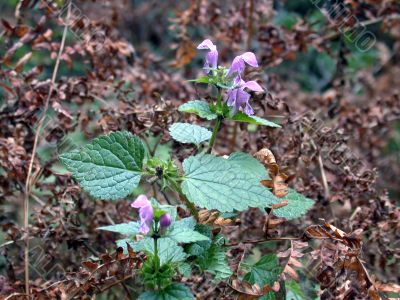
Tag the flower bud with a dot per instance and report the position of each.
(165, 221)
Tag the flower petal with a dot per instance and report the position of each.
(165, 221)
(250, 59)
(212, 59)
(141, 201)
(207, 44)
(248, 110)
(144, 228)
(146, 214)
(237, 66)
(242, 97)
(252, 85)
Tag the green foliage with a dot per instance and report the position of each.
(298, 205)
(250, 165)
(217, 77)
(165, 170)
(109, 167)
(185, 269)
(182, 231)
(242, 117)
(216, 183)
(214, 261)
(189, 133)
(293, 291)
(168, 250)
(265, 271)
(200, 108)
(155, 275)
(210, 255)
(175, 291)
(128, 229)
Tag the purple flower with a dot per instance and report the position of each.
(145, 213)
(212, 55)
(238, 64)
(165, 221)
(238, 99)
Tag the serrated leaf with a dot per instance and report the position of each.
(109, 167)
(250, 165)
(216, 183)
(202, 79)
(128, 229)
(298, 205)
(185, 269)
(198, 248)
(168, 250)
(293, 291)
(242, 117)
(198, 107)
(265, 271)
(185, 235)
(189, 133)
(214, 261)
(175, 291)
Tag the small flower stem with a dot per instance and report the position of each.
(219, 98)
(190, 205)
(156, 258)
(214, 134)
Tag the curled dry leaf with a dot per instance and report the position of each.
(184, 55)
(212, 217)
(278, 182)
(328, 231)
(292, 254)
(249, 291)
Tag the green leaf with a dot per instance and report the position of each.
(198, 107)
(189, 133)
(175, 291)
(168, 250)
(181, 233)
(242, 117)
(109, 167)
(215, 261)
(250, 165)
(202, 79)
(298, 205)
(293, 291)
(216, 183)
(265, 271)
(200, 247)
(128, 229)
(185, 269)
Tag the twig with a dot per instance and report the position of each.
(12, 242)
(15, 295)
(116, 282)
(35, 143)
(266, 240)
(361, 24)
(323, 175)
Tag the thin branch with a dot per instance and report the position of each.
(335, 34)
(266, 240)
(35, 143)
(323, 175)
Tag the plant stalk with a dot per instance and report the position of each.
(217, 126)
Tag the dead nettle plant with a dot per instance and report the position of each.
(111, 167)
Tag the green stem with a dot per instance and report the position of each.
(214, 134)
(219, 98)
(156, 258)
